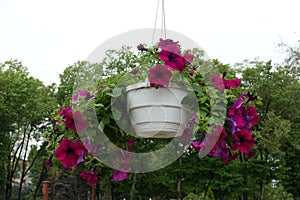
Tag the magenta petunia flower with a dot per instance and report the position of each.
(90, 176)
(80, 159)
(251, 116)
(121, 163)
(81, 124)
(244, 142)
(83, 93)
(242, 117)
(170, 53)
(134, 71)
(49, 161)
(250, 155)
(123, 158)
(69, 152)
(236, 106)
(130, 142)
(230, 157)
(188, 57)
(232, 83)
(193, 118)
(197, 145)
(223, 84)
(210, 141)
(220, 150)
(188, 131)
(172, 60)
(94, 149)
(168, 44)
(119, 175)
(69, 121)
(223, 152)
(177, 63)
(141, 47)
(159, 76)
(63, 112)
(217, 81)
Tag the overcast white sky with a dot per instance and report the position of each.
(47, 36)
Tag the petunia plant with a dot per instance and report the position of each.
(95, 131)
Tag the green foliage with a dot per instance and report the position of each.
(278, 193)
(278, 135)
(25, 107)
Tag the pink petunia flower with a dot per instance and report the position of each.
(91, 177)
(83, 94)
(223, 84)
(81, 124)
(169, 45)
(159, 76)
(188, 57)
(69, 152)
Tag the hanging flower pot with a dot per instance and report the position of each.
(160, 91)
(157, 112)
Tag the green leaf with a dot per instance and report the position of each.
(197, 88)
(117, 91)
(189, 100)
(99, 105)
(101, 126)
(106, 119)
(116, 114)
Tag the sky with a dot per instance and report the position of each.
(47, 36)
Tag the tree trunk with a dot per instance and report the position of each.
(41, 178)
(261, 191)
(8, 186)
(179, 183)
(132, 192)
(24, 170)
(12, 167)
(112, 191)
(245, 194)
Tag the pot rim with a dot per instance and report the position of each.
(142, 85)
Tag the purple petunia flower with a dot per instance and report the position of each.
(119, 175)
(49, 161)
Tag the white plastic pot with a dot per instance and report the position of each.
(157, 113)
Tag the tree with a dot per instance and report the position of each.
(278, 131)
(27, 111)
(292, 60)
